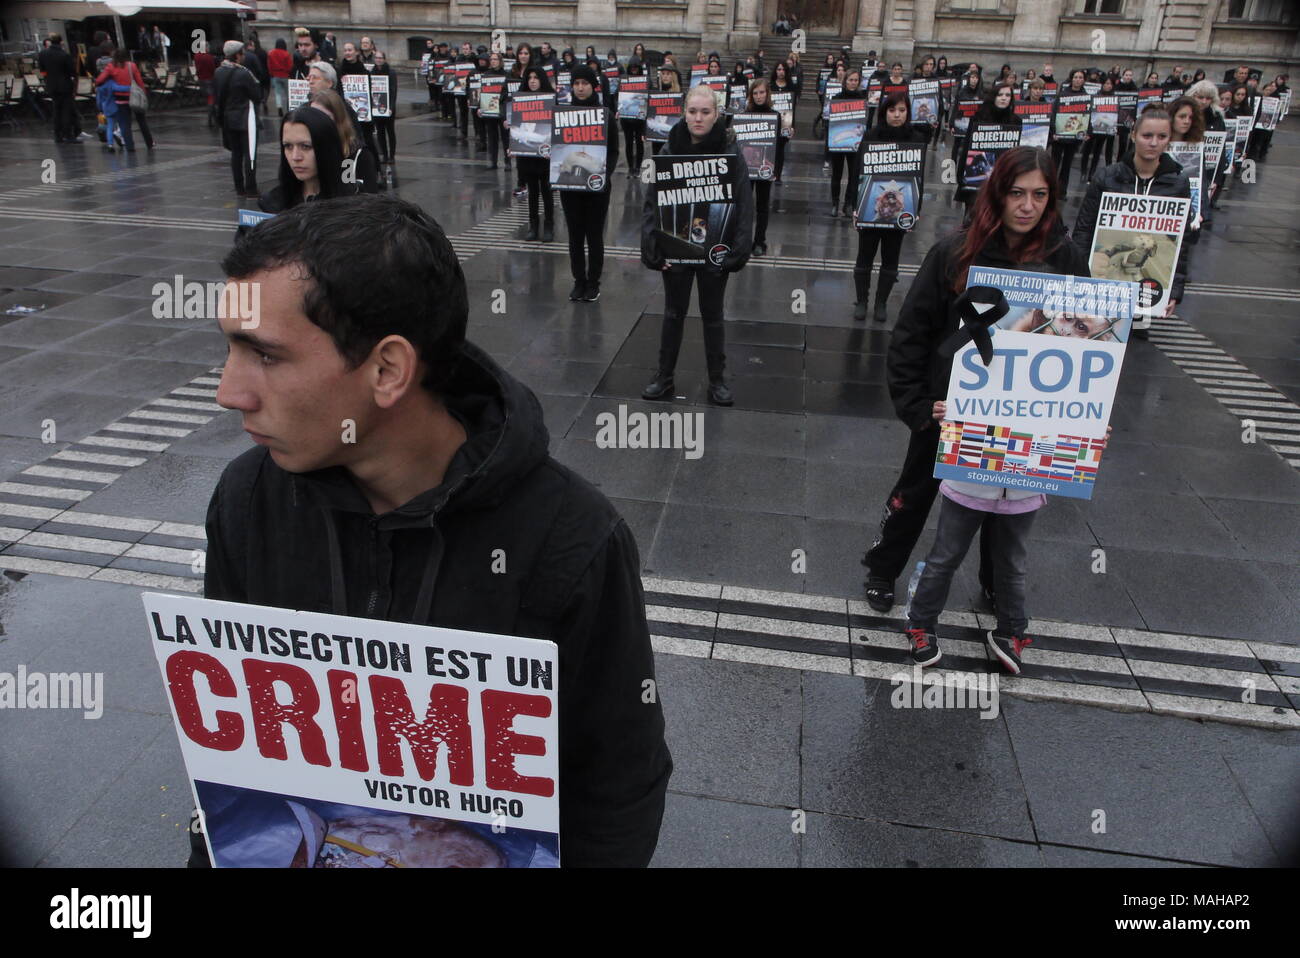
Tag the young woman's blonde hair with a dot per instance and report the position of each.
(337, 109)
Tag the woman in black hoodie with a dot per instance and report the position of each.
(893, 125)
(760, 101)
(311, 162)
(535, 171)
(385, 130)
(634, 130)
(1063, 150)
(997, 110)
(852, 91)
(585, 212)
(492, 124)
(698, 133)
(1145, 170)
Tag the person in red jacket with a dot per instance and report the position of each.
(123, 71)
(205, 65)
(279, 62)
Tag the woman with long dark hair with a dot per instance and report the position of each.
(311, 162)
(997, 110)
(585, 212)
(760, 101)
(363, 168)
(535, 171)
(697, 133)
(1015, 224)
(1098, 142)
(840, 161)
(1063, 150)
(893, 125)
(633, 130)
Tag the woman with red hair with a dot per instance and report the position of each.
(1015, 224)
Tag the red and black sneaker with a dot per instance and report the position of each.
(1008, 649)
(925, 646)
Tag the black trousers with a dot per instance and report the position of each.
(478, 126)
(240, 166)
(448, 103)
(142, 118)
(1123, 133)
(839, 162)
(634, 146)
(780, 156)
(492, 128)
(762, 204)
(907, 508)
(584, 218)
(1092, 151)
(1063, 152)
(386, 133)
(462, 114)
(890, 244)
(535, 174)
(677, 302)
(65, 116)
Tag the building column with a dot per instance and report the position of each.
(746, 31)
(868, 32)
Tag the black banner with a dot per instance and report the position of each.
(695, 196)
(756, 133)
(889, 189)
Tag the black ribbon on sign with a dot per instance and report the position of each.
(978, 308)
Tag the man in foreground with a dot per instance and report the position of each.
(403, 475)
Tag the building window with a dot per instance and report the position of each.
(975, 6)
(1262, 11)
(1111, 7)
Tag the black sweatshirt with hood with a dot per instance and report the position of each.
(918, 375)
(1121, 177)
(719, 140)
(311, 541)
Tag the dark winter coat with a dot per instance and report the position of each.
(235, 87)
(311, 541)
(918, 375)
(1121, 177)
(719, 141)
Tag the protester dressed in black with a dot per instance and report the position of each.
(449, 464)
(893, 125)
(385, 126)
(60, 76)
(840, 161)
(1063, 151)
(235, 89)
(633, 130)
(919, 373)
(1098, 142)
(535, 171)
(698, 133)
(760, 101)
(311, 162)
(585, 211)
(997, 110)
(350, 64)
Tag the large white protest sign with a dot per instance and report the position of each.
(315, 740)
(1036, 416)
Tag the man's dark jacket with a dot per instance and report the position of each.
(572, 575)
(235, 87)
(60, 73)
(918, 375)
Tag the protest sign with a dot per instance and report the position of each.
(1127, 113)
(1191, 157)
(380, 106)
(1270, 108)
(529, 117)
(924, 95)
(663, 110)
(1035, 418)
(833, 88)
(846, 122)
(1036, 122)
(988, 141)
(489, 102)
(459, 74)
(783, 103)
(756, 134)
(563, 87)
(578, 148)
(1072, 112)
(632, 97)
(1214, 142)
(889, 192)
(253, 217)
(737, 99)
(613, 80)
(1244, 124)
(356, 90)
(719, 87)
(409, 746)
(874, 90)
(695, 198)
(1105, 115)
(1147, 97)
(299, 93)
(963, 110)
(1091, 87)
(1137, 239)
(698, 72)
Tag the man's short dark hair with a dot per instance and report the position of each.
(378, 266)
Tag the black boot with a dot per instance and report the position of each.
(548, 231)
(888, 277)
(862, 284)
(720, 392)
(661, 388)
(532, 229)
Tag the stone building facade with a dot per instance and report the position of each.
(1215, 34)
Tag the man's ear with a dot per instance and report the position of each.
(394, 366)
